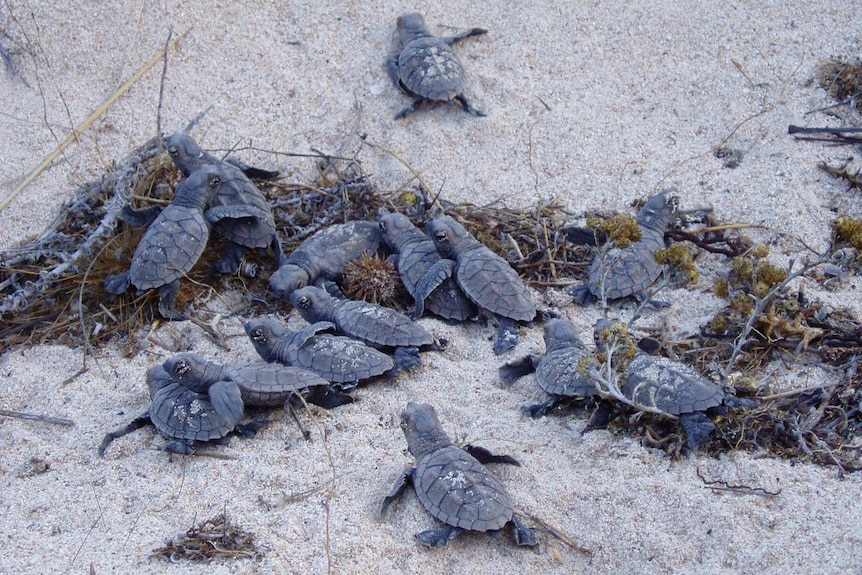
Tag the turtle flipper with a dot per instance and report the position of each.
(468, 108)
(139, 218)
(434, 276)
(697, 428)
(231, 259)
(218, 213)
(438, 538)
(251, 171)
(179, 446)
(466, 34)
(514, 370)
(409, 109)
(484, 456)
(167, 294)
(392, 69)
(117, 284)
(133, 425)
(523, 534)
(540, 409)
(507, 335)
(328, 397)
(397, 489)
(582, 295)
(227, 400)
(308, 332)
(406, 357)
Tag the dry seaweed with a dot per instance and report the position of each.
(213, 538)
(842, 78)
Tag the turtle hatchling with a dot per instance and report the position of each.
(260, 384)
(337, 359)
(184, 415)
(484, 277)
(417, 253)
(426, 67)
(322, 256)
(374, 324)
(452, 483)
(239, 211)
(620, 273)
(675, 389)
(173, 243)
(557, 372)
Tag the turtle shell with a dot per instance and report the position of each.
(428, 67)
(456, 489)
(271, 384)
(669, 386)
(177, 412)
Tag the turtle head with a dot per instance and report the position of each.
(392, 225)
(410, 26)
(659, 211)
(287, 279)
(311, 302)
(263, 334)
(184, 151)
(199, 189)
(446, 234)
(422, 429)
(560, 332)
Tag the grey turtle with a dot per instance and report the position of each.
(188, 157)
(173, 243)
(673, 388)
(374, 324)
(484, 277)
(452, 484)
(337, 359)
(426, 67)
(323, 256)
(416, 254)
(557, 371)
(239, 211)
(628, 272)
(260, 383)
(183, 415)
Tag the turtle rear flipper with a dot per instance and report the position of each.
(523, 535)
(437, 538)
(434, 276)
(406, 357)
(117, 284)
(507, 335)
(167, 294)
(514, 370)
(540, 409)
(697, 428)
(327, 397)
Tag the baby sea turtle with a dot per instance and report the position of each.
(188, 157)
(417, 253)
(426, 67)
(239, 211)
(557, 372)
(484, 277)
(183, 415)
(629, 271)
(337, 359)
(260, 384)
(672, 388)
(374, 324)
(322, 256)
(452, 484)
(173, 243)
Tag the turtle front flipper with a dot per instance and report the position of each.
(437, 538)
(507, 335)
(140, 218)
(397, 489)
(327, 397)
(466, 34)
(251, 171)
(540, 409)
(434, 276)
(231, 260)
(227, 400)
(133, 425)
(512, 371)
(117, 284)
(484, 456)
(302, 336)
(406, 357)
(523, 534)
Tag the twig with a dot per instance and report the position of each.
(84, 126)
(162, 88)
(32, 417)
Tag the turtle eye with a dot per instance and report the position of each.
(303, 301)
(405, 421)
(441, 236)
(257, 335)
(181, 367)
(215, 181)
(173, 151)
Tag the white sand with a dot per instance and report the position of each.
(640, 93)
